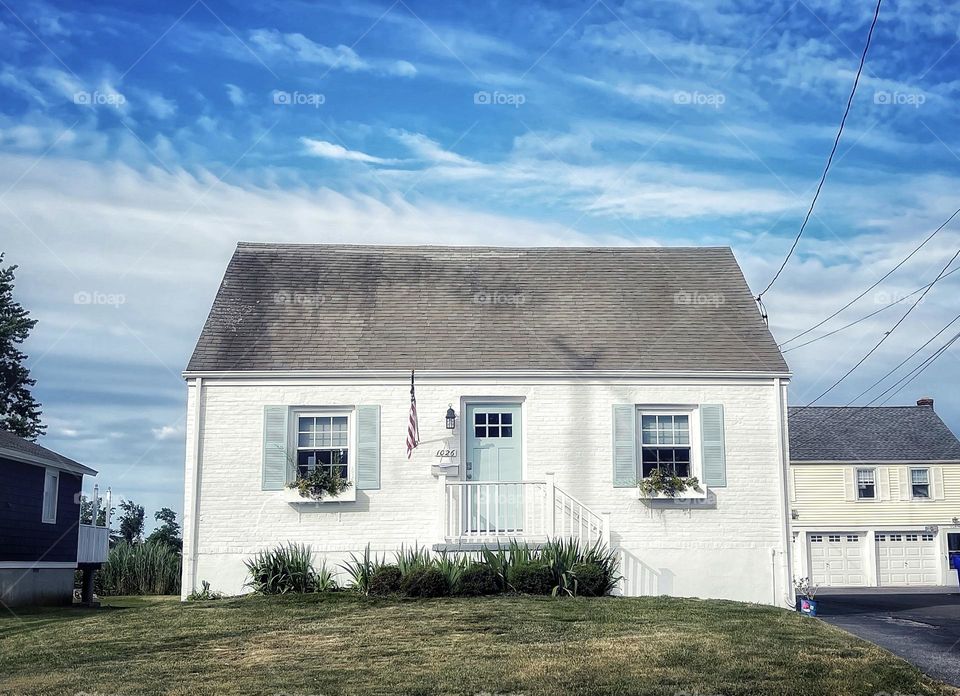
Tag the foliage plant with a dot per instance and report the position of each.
(139, 569)
(805, 588)
(532, 577)
(425, 582)
(321, 482)
(360, 570)
(283, 569)
(665, 483)
(412, 558)
(205, 593)
(477, 580)
(385, 580)
(452, 567)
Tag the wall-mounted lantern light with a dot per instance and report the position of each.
(451, 418)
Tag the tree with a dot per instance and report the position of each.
(19, 411)
(169, 532)
(131, 521)
(86, 512)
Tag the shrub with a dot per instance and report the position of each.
(591, 580)
(286, 568)
(452, 567)
(532, 578)
(139, 569)
(478, 579)
(425, 582)
(385, 580)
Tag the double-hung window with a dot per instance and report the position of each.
(51, 484)
(866, 484)
(665, 444)
(920, 483)
(323, 441)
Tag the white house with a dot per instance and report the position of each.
(875, 495)
(571, 372)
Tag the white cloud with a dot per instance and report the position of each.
(158, 106)
(167, 432)
(236, 95)
(429, 150)
(327, 150)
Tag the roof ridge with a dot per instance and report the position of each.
(467, 247)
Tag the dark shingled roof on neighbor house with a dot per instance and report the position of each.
(340, 307)
(15, 447)
(870, 434)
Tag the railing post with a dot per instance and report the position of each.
(442, 519)
(605, 533)
(551, 506)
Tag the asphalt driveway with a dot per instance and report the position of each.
(921, 627)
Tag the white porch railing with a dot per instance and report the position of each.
(93, 540)
(492, 511)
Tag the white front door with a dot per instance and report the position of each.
(907, 558)
(837, 559)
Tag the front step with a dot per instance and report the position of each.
(492, 545)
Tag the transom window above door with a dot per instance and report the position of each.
(665, 441)
(493, 424)
(323, 441)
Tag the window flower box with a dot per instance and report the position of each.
(699, 493)
(293, 497)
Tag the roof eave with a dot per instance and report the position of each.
(63, 464)
(558, 374)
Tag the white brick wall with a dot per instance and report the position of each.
(734, 550)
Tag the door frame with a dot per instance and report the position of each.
(466, 401)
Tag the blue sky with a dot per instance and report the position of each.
(139, 143)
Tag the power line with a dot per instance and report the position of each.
(863, 318)
(888, 333)
(921, 368)
(886, 275)
(833, 151)
(905, 360)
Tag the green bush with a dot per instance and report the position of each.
(478, 579)
(286, 568)
(425, 582)
(139, 569)
(532, 577)
(385, 580)
(361, 570)
(591, 580)
(204, 594)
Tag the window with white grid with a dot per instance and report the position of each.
(920, 483)
(866, 484)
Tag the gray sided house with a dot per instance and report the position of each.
(875, 495)
(572, 374)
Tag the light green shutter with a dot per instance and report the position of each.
(277, 469)
(712, 445)
(624, 445)
(368, 447)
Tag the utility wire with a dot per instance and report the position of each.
(887, 275)
(888, 333)
(905, 361)
(863, 318)
(833, 151)
(923, 366)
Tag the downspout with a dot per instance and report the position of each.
(195, 494)
(783, 460)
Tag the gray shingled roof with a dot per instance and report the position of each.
(31, 451)
(335, 307)
(872, 433)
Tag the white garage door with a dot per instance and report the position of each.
(907, 558)
(837, 559)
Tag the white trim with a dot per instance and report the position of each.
(869, 462)
(30, 565)
(293, 442)
(691, 411)
(466, 402)
(875, 483)
(44, 517)
(190, 562)
(783, 474)
(404, 375)
(46, 461)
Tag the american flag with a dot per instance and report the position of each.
(413, 430)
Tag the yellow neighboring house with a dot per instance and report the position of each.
(874, 496)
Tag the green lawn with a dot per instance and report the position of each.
(333, 644)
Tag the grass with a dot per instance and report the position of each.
(345, 644)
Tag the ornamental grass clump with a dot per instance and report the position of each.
(284, 569)
(150, 568)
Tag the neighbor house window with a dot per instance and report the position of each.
(323, 441)
(920, 483)
(866, 484)
(51, 484)
(665, 443)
